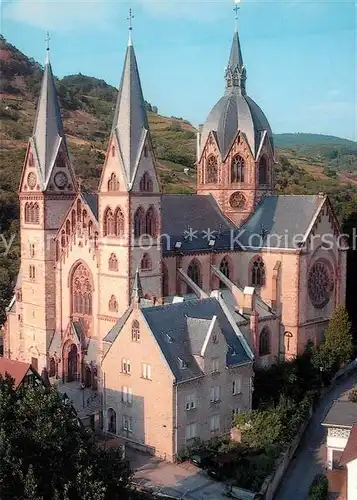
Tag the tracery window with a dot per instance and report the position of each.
(165, 281)
(264, 342)
(150, 222)
(135, 331)
(113, 304)
(82, 292)
(113, 184)
(263, 171)
(32, 213)
(109, 226)
(211, 170)
(258, 272)
(139, 222)
(194, 272)
(320, 284)
(146, 184)
(225, 269)
(119, 222)
(146, 262)
(60, 161)
(237, 169)
(113, 262)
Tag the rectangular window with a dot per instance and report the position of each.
(127, 423)
(237, 385)
(146, 371)
(127, 395)
(215, 365)
(32, 250)
(215, 394)
(125, 366)
(190, 402)
(215, 423)
(191, 431)
(32, 273)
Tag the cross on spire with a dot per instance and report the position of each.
(130, 19)
(236, 9)
(47, 40)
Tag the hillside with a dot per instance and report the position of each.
(307, 163)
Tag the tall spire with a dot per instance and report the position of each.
(235, 72)
(130, 123)
(48, 133)
(137, 292)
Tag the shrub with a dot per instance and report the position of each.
(319, 488)
(352, 395)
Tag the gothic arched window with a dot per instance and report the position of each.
(108, 223)
(82, 291)
(90, 229)
(113, 262)
(135, 331)
(68, 227)
(146, 184)
(113, 184)
(146, 263)
(150, 222)
(119, 222)
(225, 269)
(32, 213)
(263, 171)
(73, 220)
(211, 170)
(194, 272)
(264, 342)
(237, 169)
(258, 272)
(165, 281)
(113, 304)
(139, 222)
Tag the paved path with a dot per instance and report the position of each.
(310, 457)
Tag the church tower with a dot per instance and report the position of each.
(129, 201)
(235, 148)
(47, 188)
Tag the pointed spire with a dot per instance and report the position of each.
(137, 292)
(130, 123)
(130, 18)
(235, 72)
(48, 130)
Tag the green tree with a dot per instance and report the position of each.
(45, 453)
(337, 348)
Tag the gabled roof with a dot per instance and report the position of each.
(341, 414)
(202, 214)
(284, 216)
(92, 201)
(180, 330)
(350, 451)
(16, 369)
(114, 332)
(130, 123)
(48, 133)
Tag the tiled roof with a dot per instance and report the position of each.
(350, 451)
(341, 414)
(282, 217)
(201, 213)
(17, 369)
(175, 325)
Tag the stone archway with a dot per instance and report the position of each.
(71, 362)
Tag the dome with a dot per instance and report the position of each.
(235, 110)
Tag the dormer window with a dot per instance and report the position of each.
(169, 338)
(183, 363)
(214, 339)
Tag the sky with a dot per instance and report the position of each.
(300, 56)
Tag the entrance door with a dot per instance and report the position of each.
(87, 377)
(72, 363)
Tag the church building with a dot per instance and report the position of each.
(162, 303)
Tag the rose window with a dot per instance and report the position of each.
(237, 200)
(320, 284)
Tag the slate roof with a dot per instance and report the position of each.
(341, 414)
(130, 123)
(92, 201)
(284, 216)
(350, 451)
(175, 321)
(48, 130)
(199, 212)
(114, 332)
